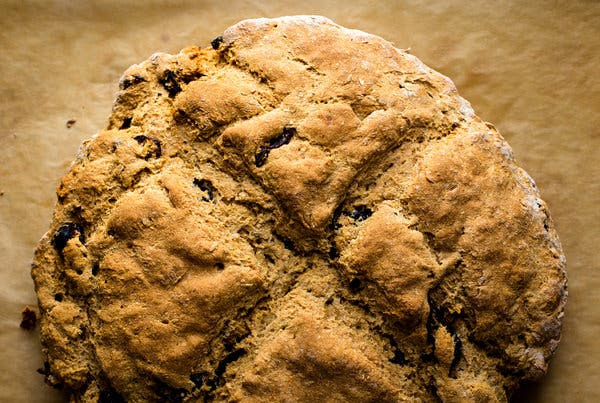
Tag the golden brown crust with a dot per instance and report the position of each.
(304, 214)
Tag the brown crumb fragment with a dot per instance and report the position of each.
(29, 318)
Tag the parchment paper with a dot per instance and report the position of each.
(530, 67)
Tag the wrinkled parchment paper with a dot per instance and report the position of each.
(529, 67)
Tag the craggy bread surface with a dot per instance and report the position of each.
(303, 212)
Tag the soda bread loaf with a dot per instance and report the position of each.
(303, 213)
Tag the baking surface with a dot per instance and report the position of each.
(531, 69)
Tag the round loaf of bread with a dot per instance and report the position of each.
(300, 212)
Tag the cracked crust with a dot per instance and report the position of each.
(301, 213)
